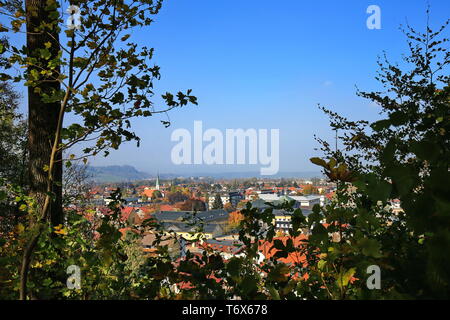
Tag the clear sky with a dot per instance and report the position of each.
(267, 64)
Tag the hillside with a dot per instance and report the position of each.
(115, 174)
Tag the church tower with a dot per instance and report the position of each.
(157, 181)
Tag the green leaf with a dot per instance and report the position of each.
(425, 150)
(369, 247)
(54, 15)
(398, 118)
(319, 233)
(279, 273)
(233, 267)
(274, 293)
(380, 125)
(248, 285)
(45, 54)
(389, 151)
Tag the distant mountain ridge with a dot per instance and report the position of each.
(115, 173)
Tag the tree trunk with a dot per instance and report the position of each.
(43, 117)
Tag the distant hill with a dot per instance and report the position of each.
(115, 174)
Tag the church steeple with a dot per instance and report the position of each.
(157, 181)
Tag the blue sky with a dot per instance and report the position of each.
(267, 64)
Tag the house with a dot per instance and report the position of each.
(224, 197)
(167, 207)
(226, 248)
(235, 198)
(209, 223)
(283, 219)
(149, 193)
(188, 232)
(300, 201)
(269, 197)
(307, 201)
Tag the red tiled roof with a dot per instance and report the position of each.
(330, 195)
(125, 212)
(167, 207)
(149, 192)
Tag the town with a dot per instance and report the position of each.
(217, 203)
(224, 150)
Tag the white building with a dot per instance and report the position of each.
(304, 201)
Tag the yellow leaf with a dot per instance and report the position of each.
(20, 228)
(344, 277)
(60, 230)
(321, 264)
